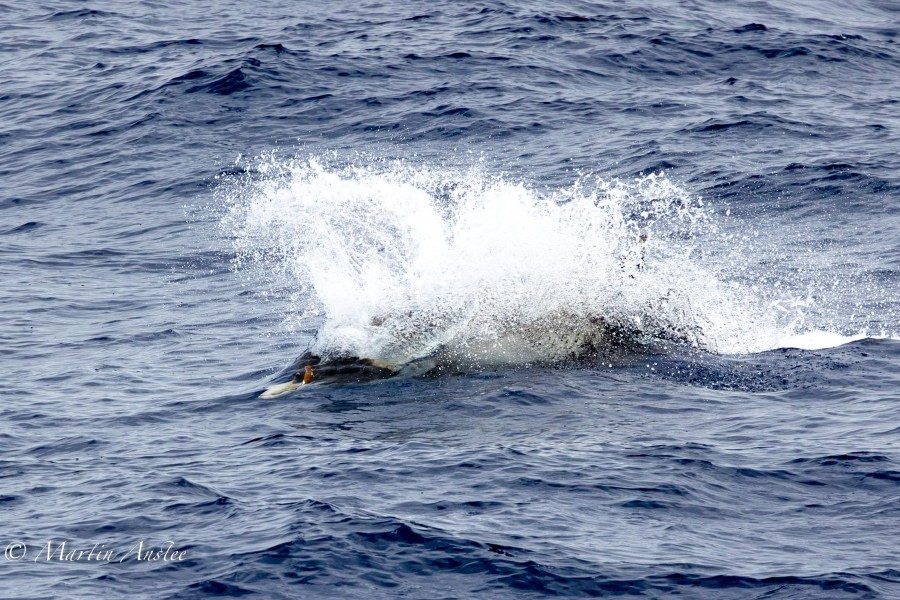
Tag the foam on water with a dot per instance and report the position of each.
(819, 340)
(398, 261)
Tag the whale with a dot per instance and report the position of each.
(585, 339)
(596, 341)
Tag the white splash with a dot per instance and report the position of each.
(396, 262)
(820, 340)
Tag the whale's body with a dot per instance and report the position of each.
(599, 342)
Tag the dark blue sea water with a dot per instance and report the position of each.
(636, 263)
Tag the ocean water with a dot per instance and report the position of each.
(636, 263)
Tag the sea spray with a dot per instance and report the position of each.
(399, 261)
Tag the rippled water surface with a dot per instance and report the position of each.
(635, 263)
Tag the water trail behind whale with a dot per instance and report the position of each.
(397, 261)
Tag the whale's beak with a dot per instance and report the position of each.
(274, 391)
